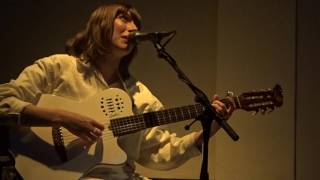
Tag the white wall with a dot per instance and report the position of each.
(256, 50)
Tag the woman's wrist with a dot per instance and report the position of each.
(198, 140)
(32, 115)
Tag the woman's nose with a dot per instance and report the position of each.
(131, 26)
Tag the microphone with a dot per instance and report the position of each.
(151, 36)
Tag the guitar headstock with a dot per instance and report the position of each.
(261, 101)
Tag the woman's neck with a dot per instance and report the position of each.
(109, 67)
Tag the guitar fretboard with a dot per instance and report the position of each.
(252, 101)
(131, 124)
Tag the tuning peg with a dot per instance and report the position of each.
(229, 94)
(254, 113)
(270, 109)
(263, 111)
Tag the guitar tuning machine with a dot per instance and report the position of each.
(229, 94)
(254, 113)
(269, 109)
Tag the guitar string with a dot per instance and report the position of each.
(125, 128)
(123, 124)
(109, 134)
(162, 116)
(76, 138)
(66, 133)
(106, 135)
(120, 122)
(117, 128)
(121, 127)
(126, 125)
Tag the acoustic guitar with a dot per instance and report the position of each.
(54, 153)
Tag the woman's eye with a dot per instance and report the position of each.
(124, 18)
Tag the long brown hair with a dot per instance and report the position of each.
(94, 40)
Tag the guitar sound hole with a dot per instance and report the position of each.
(112, 105)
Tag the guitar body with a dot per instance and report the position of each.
(38, 157)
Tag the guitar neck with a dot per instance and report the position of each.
(131, 124)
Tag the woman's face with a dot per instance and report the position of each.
(122, 26)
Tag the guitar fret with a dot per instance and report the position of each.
(238, 102)
(196, 110)
(176, 115)
(140, 125)
(166, 117)
(180, 113)
(188, 113)
(169, 116)
(183, 112)
(116, 127)
(126, 125)
(173, 115)
(159, 118)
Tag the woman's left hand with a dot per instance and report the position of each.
(218, 106)
(224, 111)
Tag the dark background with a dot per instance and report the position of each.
(221, 45)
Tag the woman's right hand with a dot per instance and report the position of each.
(84, 127)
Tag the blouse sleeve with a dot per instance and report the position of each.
(159, 148)
(27, 88)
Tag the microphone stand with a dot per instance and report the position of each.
(208, 116)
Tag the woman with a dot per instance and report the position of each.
(98, 58)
